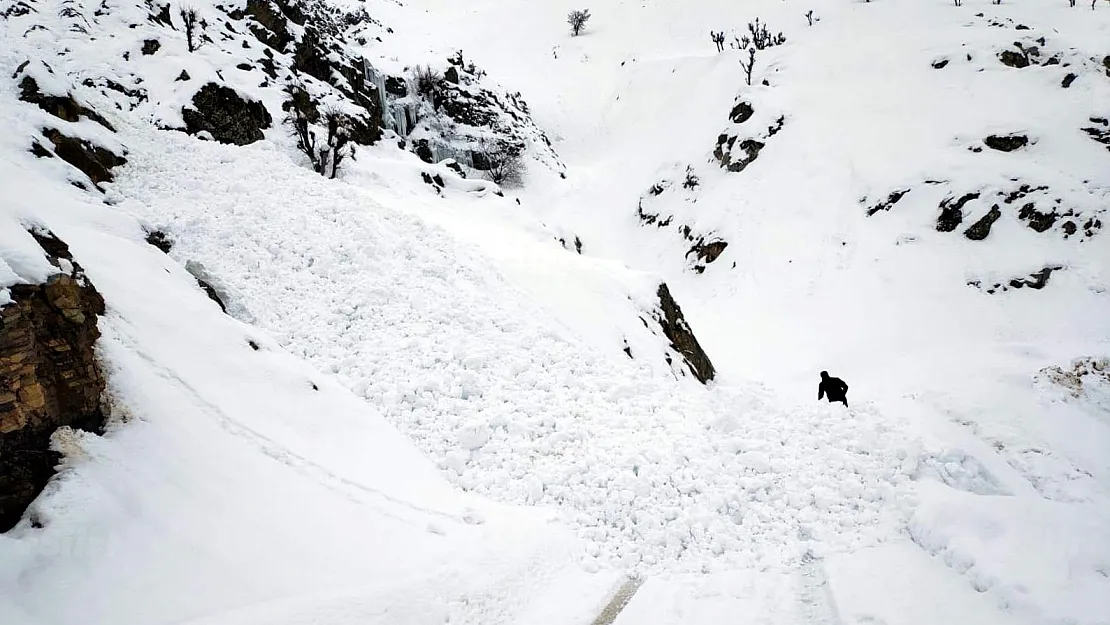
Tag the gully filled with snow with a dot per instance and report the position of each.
(423, 408)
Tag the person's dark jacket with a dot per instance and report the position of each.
(834, 388)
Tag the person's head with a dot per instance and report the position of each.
(824, 375)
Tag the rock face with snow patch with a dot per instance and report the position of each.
(61, 104)
(982, 228)
(226, 115)
(742, 142)
(39, 85)
(93, 160)
(706, 247)
(460, 114)
(682, 338)
(49, 376)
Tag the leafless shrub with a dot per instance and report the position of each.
(428, 81)
(326, 153)
(749, 66)
(505, 164)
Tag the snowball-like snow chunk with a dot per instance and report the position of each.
(473, 435)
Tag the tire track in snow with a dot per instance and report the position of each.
(619, 602)
(815, 598)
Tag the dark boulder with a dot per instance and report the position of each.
(1036, 219)
(395, 86)
(49, 376)
(94, 161)
(982, 228)
(423, 150)
(681, 337)
(707, 252)
(952, 212)
(741, 113)
(1006, 143)
(160, 240)
(150, 46)
(1010, 58)
(226, 115)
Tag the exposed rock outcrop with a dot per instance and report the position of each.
(734, 153)
(741, 113)
(982, 228)
(226, 115)
(1101, 135)
(61, 105)
(1006, 143)
(1010, 58)
(94, 161)
(49, 376)
(952, 212)
(706, 252)
(1036, 281)
(736, 162)
(681, 337)
(892, 199)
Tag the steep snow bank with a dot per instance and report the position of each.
(233, 475)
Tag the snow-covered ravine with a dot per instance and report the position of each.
(419, 408)
(654, 473)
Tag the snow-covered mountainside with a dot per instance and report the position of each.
(427, 311)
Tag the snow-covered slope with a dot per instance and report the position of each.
(403, 334)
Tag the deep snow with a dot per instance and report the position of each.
(960, 486)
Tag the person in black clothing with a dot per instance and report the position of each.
(835, 388)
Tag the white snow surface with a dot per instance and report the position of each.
(439, 423)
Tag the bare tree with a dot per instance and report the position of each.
(577, 20)
(809, 14)
(749, 66)
(324, 153)
(192, 21)
(505, 164)
(428, 81)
